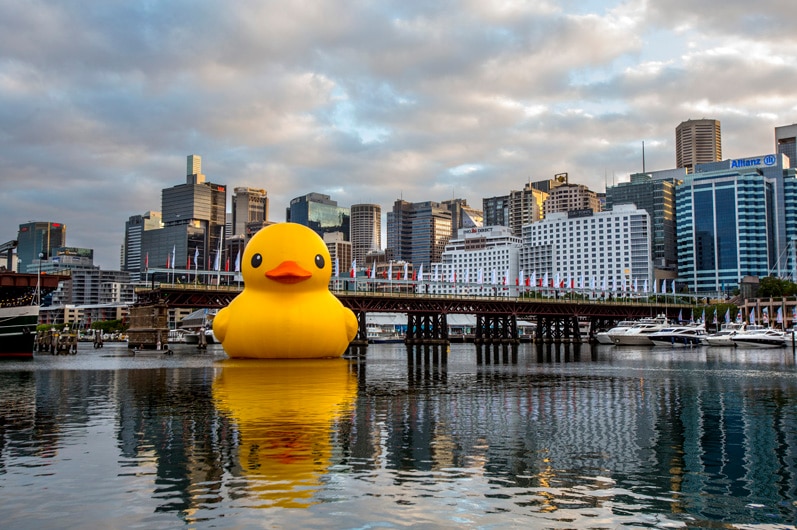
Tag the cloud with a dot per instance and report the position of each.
(367, 102)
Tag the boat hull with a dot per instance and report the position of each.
(18, 331)
(760, 343)
(677, 342)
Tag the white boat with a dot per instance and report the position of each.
(724, 335)
(639, 333)
(679, 336)
(756, 336)
(605, 337)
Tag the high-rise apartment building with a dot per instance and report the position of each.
(249, 206)
(570, 197)
(525, 206)
(418, 232)
(133, 261)
(786, 142)
(697, 142)
(733, 219)
(366, 230)
(319, 213)
(194, 215)
(657, 197)
(36, 238)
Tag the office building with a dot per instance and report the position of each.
(133, 261)
(657, 197)
(481, 260)
(366, 230)
(418, 232)
(598, 251)
(734, 218)
(319, 213)
(249, 205)
(697, 142)
(194, 217)
(36, 238)
(786, 143)
(462, 215)
(496, 211)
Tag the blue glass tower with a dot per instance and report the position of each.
(732, 222)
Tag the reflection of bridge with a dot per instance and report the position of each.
(556, 318)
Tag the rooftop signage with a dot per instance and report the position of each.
(768, 160)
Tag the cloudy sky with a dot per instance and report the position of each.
(367, 101)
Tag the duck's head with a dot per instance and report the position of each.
(286, 256)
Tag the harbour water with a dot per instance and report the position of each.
(547, 437)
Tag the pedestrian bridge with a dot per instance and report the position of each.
(557, 314)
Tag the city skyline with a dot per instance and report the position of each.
(367, 104)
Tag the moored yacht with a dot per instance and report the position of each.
(639, 333)
(756, 336)
(724, 336)
(605, 337)
(679, 336)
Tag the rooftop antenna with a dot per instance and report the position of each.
(643, 156)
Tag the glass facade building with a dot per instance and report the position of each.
(418, 232)
(38, 238)
(319, 213)
(732, 222)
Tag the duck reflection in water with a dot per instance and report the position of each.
(284, 411)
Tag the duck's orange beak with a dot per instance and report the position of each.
(288, 272)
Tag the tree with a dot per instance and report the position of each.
(771, 286)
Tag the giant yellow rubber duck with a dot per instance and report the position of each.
(285, 309)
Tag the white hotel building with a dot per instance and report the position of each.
(480, 261)
(604, 251)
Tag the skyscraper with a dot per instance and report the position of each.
(136, 225)
(657, 197)
(36, 238)
(733, 221)
(697, 142)
(319, 213)
(462, 215)
(418, 232)
(194, 215)
(786, 142)
(525, 206)
(366, 230)
(496, 210)
(249, 205)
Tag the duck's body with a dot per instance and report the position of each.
(285, 310)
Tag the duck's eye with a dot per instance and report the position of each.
(257, 260)
(319, 261)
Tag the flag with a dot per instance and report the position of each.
(353, 272)
(373, 270)
(752, 316)
(494, 277)
(420, 273)
(673, 286)
(545, 279)
(655, 286)
(780, 315)
(728, 315)
(480, 276)
(765, 313)
(227, 264)
(680, 315)
(534, 278)
(217, 262)
(238, 263)
(738, 315)
(174, 250)
(406, 271)
(167, 261)
(645, 286)
(146, 266)
(196, 258)
(521, 278)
